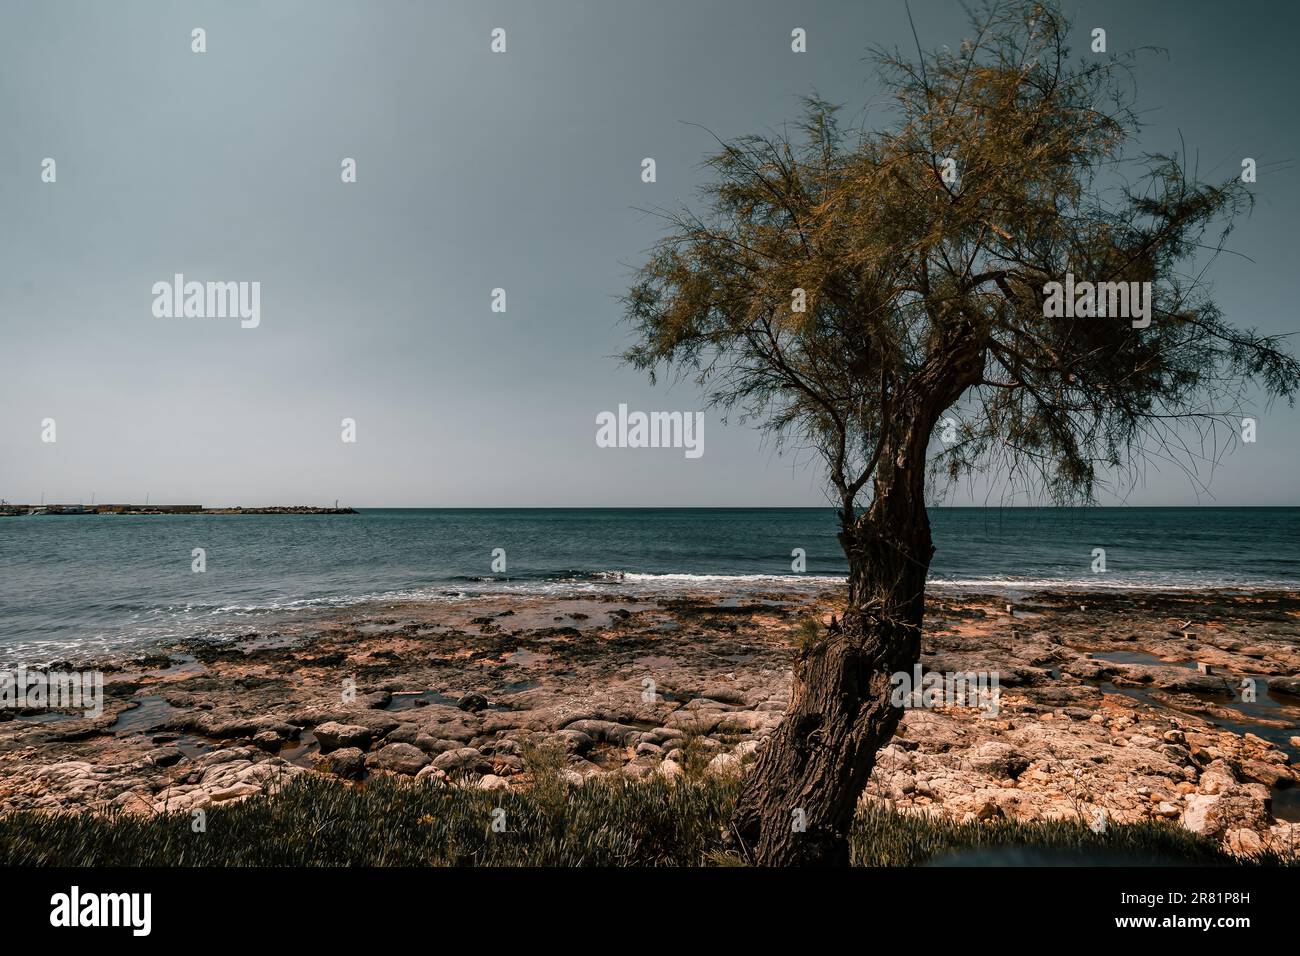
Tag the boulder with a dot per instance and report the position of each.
(1244, 842)
(267, 740)
(571, 741)
(164, 756)
(1285, 685)
(398, 758)
(605, 730)
(434, 746)
(1266, 772)
(347, 762)
(1217, 778)
(724, 765)
(462, 760)
(332, 735)
(431, 774)
(997, 760)
(1214, 814)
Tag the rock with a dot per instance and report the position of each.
(747, 748)
(473, 703)
(1262, 771)
(165, 756)
(1217, 778)
(1244, 842)
(571, 741)
(347, 762)
(380, 723)
(431, 774)
(491, 781)
(399, 758)
(572, 777)
(1179, 681)
(1214, 815)
(332, 735)
(236, 792)
(504, 765)
(664, 736)
(461, 761)
(1285, 685)
(132, 803)
(670, 770)
(404, 734)
(375, 700)
(997, 760)
(747, 722)
(434, 746)
(605, 730)
(694, 721)
(267, 740)
(724, 765)
(639, 769)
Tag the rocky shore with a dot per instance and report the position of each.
(1114, 707)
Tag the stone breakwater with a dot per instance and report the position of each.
(1104, 715)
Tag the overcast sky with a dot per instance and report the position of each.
(475, 171)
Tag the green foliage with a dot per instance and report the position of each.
(316, 821)
(695, 756)
(925, 292)
(807, 632)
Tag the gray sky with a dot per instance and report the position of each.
(475, 171)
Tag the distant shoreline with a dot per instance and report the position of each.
(15, 511)
(8, 510)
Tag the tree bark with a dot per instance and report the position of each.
(798, 804)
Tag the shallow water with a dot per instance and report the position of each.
(1267, 707)
(75, 584)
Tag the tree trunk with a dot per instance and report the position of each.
(799, 801)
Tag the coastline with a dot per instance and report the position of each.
(1102, 706)
(62, 511)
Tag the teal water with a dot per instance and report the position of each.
(115, 580)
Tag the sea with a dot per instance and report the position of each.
(72, 585)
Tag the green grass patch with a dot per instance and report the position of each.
(316, 821)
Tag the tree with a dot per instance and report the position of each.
(922, 257)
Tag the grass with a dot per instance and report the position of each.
(316, 821)
(807, 632)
